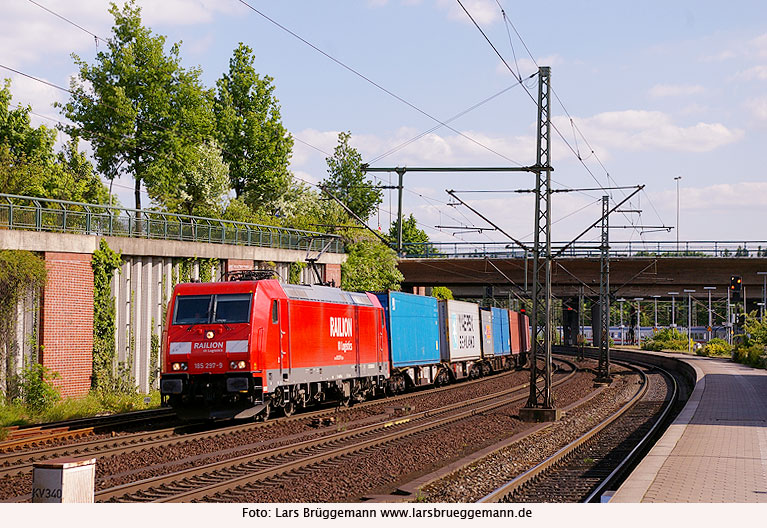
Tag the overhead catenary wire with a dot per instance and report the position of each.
(65, 19)
(295, 137)
(369, 80)
(572, 121)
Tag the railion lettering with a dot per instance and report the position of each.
(208, 345)
(341, 327)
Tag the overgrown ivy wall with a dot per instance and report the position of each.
(22, 276)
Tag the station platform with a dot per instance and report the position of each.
(716, 449)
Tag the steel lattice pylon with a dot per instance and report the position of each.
(603, 371)
(540, 377)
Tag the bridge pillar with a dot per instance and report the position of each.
(66, 331)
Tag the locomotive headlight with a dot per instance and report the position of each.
(176, 366)
(209, 334)
(232, 365)
(242, 365)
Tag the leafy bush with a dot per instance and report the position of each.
(752, 344)
(752, 355)
(667, 339)
(717, 347)
(37, 390)
(441, 292)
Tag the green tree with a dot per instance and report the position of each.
(411, 234)
(370, 266)
(347, 181)
(136, 105)
(256, 145)
(441, 292)
(29, 166)
(200, 187)
(17, 133)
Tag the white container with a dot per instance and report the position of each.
(460, 331)
(64, 480)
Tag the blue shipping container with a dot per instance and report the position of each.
(412, 322)
(501, 336)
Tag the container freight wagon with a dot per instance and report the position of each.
(460, 338)
(519, 324)
(242, 348)
(501, 356)
(412, 324)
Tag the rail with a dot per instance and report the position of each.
(60, 216)
(618, 249)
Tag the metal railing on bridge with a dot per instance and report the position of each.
(618, 249)
(59, 216)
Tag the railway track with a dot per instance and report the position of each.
(17, 466)
(25, 437)
(237, 477)
(586, 468)
(21, 461)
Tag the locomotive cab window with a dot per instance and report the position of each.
(275, 312)
(232, 308)
(192, 309)
(222, 308)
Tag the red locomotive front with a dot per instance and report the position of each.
(242, 348)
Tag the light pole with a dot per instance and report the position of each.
(655, 299)
(728, 324)
(677, 212)
(764, 294)
(710, 325)
(639, 321)
(673, 298)
(689, 316)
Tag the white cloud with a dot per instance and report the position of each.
(183, 12)
(29, 33)
(431, 149)
(485, 12)
(759, 44)
(674, 90)
(751, 198)
(754, 73)
(758, 107)
(719, 57)
(642, 130)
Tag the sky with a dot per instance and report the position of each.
(644, 92)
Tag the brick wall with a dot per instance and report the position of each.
(238, 265)
(333, 273)
(67, 321)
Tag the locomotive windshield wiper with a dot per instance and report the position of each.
(196, 323)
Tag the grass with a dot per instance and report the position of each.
(92, 404)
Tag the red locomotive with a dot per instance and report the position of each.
(241, 348)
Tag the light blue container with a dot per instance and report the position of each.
(412, 322)
(501, 335)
